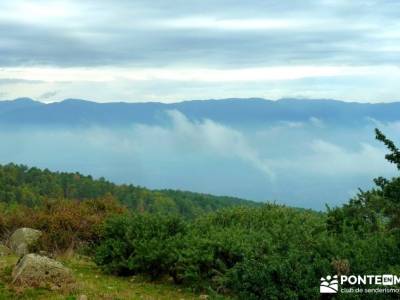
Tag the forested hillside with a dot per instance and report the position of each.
(31, 186)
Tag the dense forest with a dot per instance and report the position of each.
(31, 186)
(227, 248)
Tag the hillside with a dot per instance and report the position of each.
(31, 186)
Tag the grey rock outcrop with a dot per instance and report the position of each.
(39, 271)
(22, 239)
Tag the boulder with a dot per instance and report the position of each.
(22, 239)
(4, 250)
(34, 270)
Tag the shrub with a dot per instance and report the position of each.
(12, 217)
(273, 252)
(139, 243)
(65, 224)
(223, 251)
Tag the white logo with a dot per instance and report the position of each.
(388, 279)
(366, 284)
(329, 285)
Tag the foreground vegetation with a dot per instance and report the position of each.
(272, 252)
(245, 252)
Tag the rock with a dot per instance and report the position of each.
(34, 270)
(24, 238)
(43, 253)
(203, 297)
(82, 297)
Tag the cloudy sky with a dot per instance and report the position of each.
(179, 49)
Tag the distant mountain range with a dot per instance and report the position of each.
(252, 111)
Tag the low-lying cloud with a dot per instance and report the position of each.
(299, 164)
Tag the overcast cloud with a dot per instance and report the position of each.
(180, 49)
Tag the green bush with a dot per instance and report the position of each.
(246, 251)
(273, 252)
(139, 243)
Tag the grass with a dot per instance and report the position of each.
(92, 283)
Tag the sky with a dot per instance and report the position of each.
(180, 50)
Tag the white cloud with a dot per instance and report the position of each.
(214, 138)
(331, 159)
(183, 138)
(233, 24)
(104, 74)
(317, 122)
(109, 74)
(38, 12)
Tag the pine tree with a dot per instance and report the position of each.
(394, 155)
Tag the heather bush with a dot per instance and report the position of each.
(12, 217)
(66, 224)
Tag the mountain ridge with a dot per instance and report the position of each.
(283, 99)
(231, 111)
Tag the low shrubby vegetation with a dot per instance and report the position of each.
(65, 224)
(252, 252)
(245, 252)
(273, 252)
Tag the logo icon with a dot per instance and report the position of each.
(387, 279)
(330, 285)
